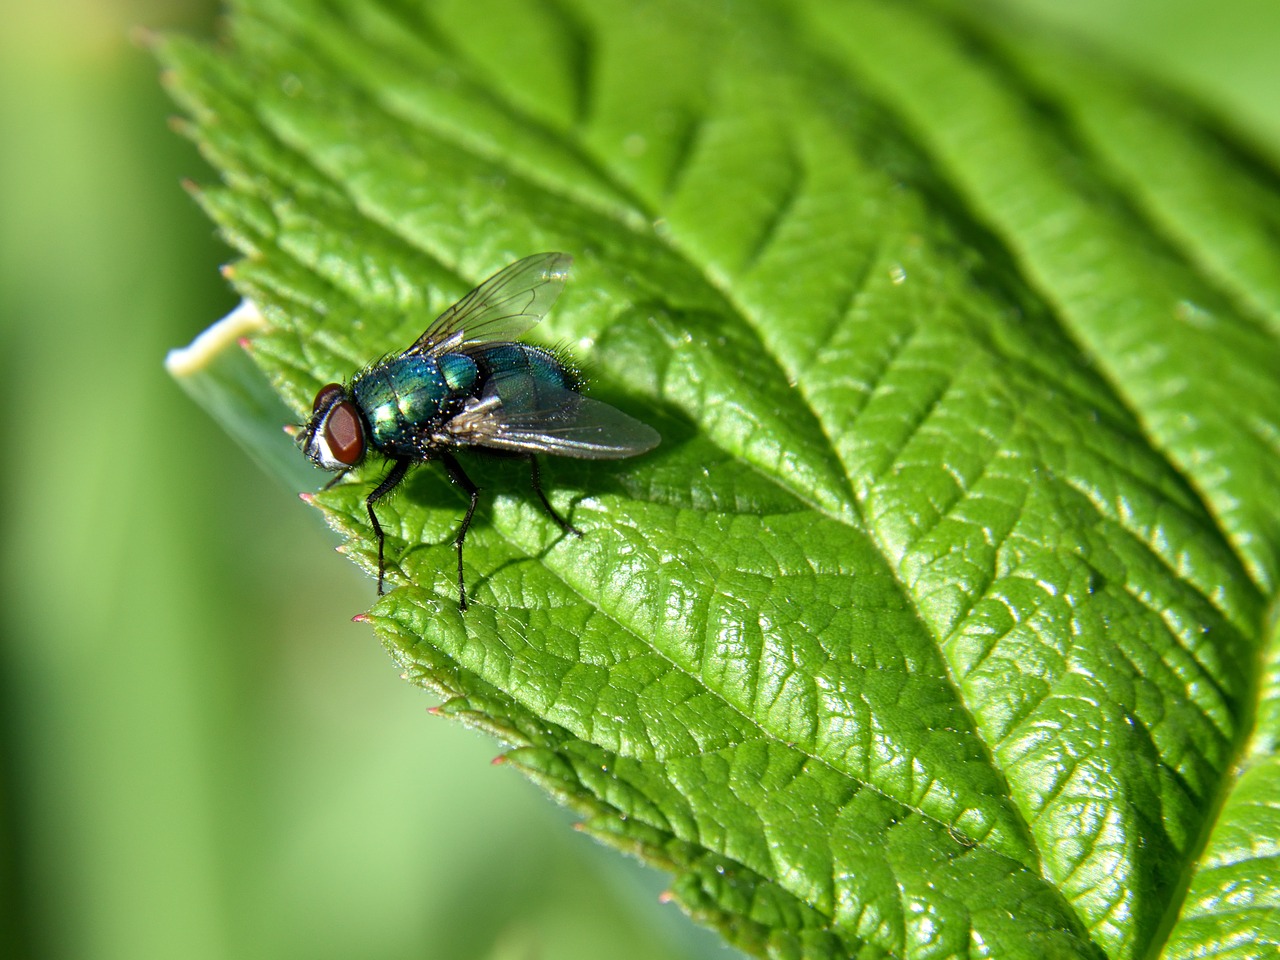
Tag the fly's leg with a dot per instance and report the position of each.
(334, 482)
(459, 476)
(389, 483)
(536, 479)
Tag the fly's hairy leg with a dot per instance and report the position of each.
(459, 476)
(389, 483)
(334, 482)
(535, 478)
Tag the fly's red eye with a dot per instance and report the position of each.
(343, 433)
(327, 396)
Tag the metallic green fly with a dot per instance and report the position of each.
(466, 383)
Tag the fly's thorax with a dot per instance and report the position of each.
(406, 398)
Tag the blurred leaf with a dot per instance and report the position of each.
(936, 624)
(230, 387)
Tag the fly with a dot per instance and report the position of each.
(466, 382)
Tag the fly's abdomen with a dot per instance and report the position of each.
(543, 365)
(406, 399)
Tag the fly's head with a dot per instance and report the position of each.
(334, 438)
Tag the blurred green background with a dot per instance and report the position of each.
(200, 756)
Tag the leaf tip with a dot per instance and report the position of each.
(307, 498)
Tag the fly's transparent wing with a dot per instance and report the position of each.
(501, 308)
(520, 413)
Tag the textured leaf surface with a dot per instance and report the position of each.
(937, 625)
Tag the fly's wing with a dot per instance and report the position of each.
(501, 308)
(522, 414)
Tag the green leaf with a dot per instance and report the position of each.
(938, 624)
